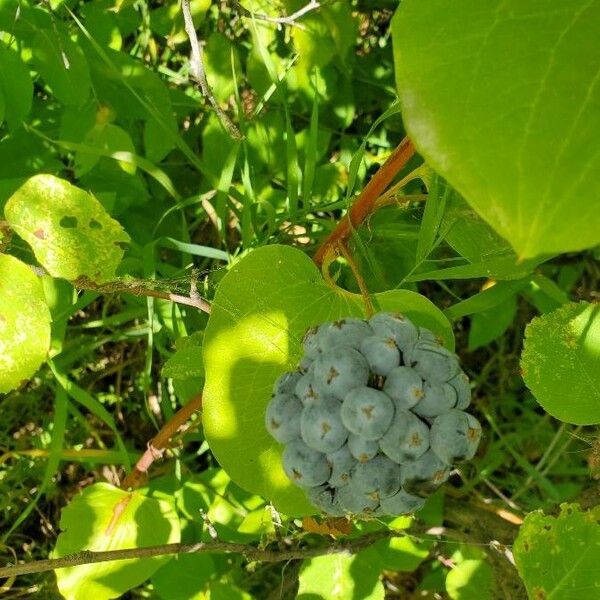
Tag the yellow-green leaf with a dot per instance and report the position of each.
(103, 518)
(261, 310)
(24, 323)
(70, 232)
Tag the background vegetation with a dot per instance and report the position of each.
(104, 95)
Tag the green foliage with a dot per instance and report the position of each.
(513, 135)
(106, 518)
(70, 232)
(337, 577)
(471, 579)
(561, 362)
(253, 335)
(112, 162)
(557, 556)
(24, 323)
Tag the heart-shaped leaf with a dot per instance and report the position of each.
(103, 518)
(557, 557)
(70, 232)
(24, 323)
(261, 310)
(561, 362)
(501, 98)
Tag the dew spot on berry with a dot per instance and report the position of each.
(274, 424)
(297, 475)
(325, 427)
(339, 324)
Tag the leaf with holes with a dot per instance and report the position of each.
(24, 323)
(502, 99)
(102, 518)
(558, 557)
(561, 362)
(261, 310)
(70, 232)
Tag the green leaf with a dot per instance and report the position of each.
(104, 138)
(62, 65)
(185, 367)
(470, 579)
(184, 577)
(261, 310)
(489, 325)
(24, 323)
(397, 553)
(339, 577)
(500, 97)
(70, 232)
(16, 87)
(474, 239)
(104, 517)
(558, 557)
(561, 362)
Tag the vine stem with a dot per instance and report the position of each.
(472, 522)
(366, 202)
(198, 72)
(158, 444)
(285, 20)
(136, 288)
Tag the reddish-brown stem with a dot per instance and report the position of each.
(366, 202)
(158, 444)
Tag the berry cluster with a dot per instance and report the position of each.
(374, 416)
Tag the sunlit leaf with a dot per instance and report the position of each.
(561, 362)
(70, 232)
(501, 98)
(102, 518)
(261, 310)
(24, 323)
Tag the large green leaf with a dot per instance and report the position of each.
(558, 557)
(501, 98)
(70, 232)
(103, 518)
(16, 86)
(260, 312)
(339, 577)
(62, 64)
(24, 323)
(561, 362)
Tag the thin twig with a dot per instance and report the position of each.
(198, 72)
(250, 552)
(285, 20)
(157, 445)
(136, 288)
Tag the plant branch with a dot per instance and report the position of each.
(249, 551)
(366, 202)
(158, 444)
(198, 72)
(285, 20)
(136, 288)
